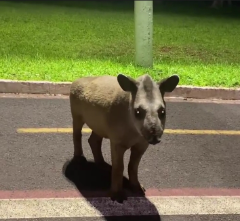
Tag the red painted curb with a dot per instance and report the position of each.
(71, 193)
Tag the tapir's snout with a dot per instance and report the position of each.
(155, 136)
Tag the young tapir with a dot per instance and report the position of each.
(131, 113)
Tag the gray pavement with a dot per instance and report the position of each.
(35, 161)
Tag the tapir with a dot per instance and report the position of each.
(130, 112)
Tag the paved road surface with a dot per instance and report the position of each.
(182, 165)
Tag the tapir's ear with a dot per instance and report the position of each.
(168, 84)
(127, 83)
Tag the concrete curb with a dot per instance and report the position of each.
(45, 87)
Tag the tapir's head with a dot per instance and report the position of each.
(148, 108)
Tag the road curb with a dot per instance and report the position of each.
(55, 88)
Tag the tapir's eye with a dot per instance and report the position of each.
(139, 113)
(161, 113)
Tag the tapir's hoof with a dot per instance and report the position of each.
(119, 196)
(138, 189)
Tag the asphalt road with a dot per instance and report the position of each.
(31, 162)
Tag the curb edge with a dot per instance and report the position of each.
(62, 88)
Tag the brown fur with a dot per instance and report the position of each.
(107, 105)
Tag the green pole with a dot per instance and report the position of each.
(143, 11)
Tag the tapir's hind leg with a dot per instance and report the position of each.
(77, 136)
(95, 143)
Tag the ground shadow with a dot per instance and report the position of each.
(92, 181)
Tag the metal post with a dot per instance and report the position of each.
(143, 11)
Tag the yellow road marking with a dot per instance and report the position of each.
(207, 132)
(167, 131)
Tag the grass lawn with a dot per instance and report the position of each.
(64, 41)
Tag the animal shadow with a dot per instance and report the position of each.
(94, 181)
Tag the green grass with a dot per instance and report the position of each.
(62, 42)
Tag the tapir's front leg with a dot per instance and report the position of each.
(117, 154)
(137, 152)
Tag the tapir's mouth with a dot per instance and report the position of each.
(154, 141)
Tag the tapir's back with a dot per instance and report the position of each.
(100, 101)
(101, 90)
